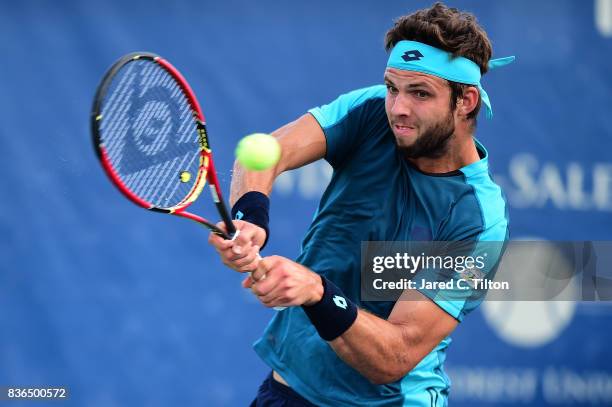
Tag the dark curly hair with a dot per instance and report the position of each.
(451, 30)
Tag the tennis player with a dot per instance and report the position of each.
(406, 167)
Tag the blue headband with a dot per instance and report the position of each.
(419, 57)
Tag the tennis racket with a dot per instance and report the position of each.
(150, 136)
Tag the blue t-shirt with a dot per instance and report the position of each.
(376, 195)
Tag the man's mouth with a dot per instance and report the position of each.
(402, 129)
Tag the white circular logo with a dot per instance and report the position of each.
(533, 323)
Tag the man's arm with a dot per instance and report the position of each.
(385, 350)
(302, 142)
(381, 350)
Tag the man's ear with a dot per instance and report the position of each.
(468, 101)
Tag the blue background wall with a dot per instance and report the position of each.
(127, 308)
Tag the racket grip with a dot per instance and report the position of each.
(222, 209)
(229, 225)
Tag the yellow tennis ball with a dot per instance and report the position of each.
(258, 152)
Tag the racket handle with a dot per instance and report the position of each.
(221, 208)
(229, 225)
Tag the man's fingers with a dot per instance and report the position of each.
(218, 242)
(269, 262)
(276, 298)
(266, 266)
(246, 235)
(270, 298)
(244, 238)
(232, 254)
(250, 257)
(262, 270)
(248, 282)
(249, 233)
(245, 262)
(240, 254)
(228, 256)
(264, 283)
(260, 288)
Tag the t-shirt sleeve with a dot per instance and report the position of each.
(344, 121)
(476, 249)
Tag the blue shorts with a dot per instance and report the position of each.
(274, 394)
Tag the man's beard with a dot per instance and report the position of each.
(433, 142)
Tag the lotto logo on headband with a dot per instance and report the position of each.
(413, 55)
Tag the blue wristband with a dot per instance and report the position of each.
(254, 207)
(334, 314)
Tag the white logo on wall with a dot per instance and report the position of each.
(569, 186)
(532, 323)
(603, 17)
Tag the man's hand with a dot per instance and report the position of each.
(280, 282)
(242, 253)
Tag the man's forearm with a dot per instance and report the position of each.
(381, 351)
(386, 350)
(244, 181)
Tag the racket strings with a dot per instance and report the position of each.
(149, 133)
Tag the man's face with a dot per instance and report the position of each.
(419, 113)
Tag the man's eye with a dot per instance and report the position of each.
(421, 94)
(391, 89)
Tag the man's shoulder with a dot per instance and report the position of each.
(355, 102)
(363, 94)
(483, 208)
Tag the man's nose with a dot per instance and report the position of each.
(401, 106)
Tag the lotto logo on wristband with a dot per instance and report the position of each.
(340, 301)
(334, 314)
(239, 215)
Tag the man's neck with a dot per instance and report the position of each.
(461, 151)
